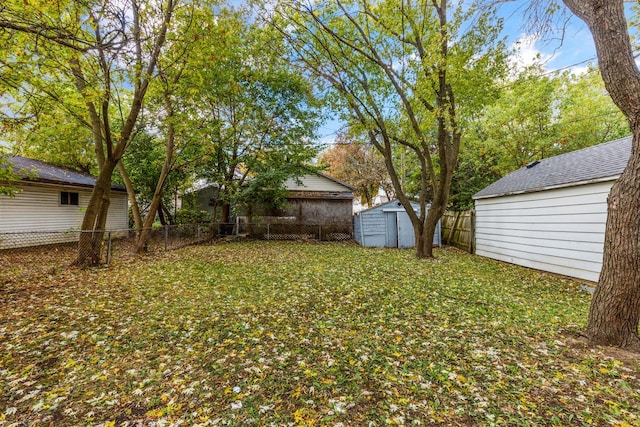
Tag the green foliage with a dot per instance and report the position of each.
(90, 61)
(192, 216)
(307, 334)
(266, 188)
(540, 116)
(7, 176)
(55, 135)
(519, 125)
(406, 75)
(476, 170)
(252, 113)
(587, 114)
(537, 115)
(143, 163)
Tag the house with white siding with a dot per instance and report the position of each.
(551, 214)
(51, 200)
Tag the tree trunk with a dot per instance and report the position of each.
(161, 217)
(226, 228)
(156, 201)
(615, 308)
(95, 217)
(145, 233)
(131, 193)
(429, 232)
(169, 219)
(226, 213)
(214, 214)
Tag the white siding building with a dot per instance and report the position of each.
(51, 200)
(551, 214)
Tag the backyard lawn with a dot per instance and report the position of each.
(282, 333)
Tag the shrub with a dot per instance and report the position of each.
(192, 216)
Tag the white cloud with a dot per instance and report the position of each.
(579, 70)
(526, 53)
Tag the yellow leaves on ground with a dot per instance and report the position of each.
(267, 333)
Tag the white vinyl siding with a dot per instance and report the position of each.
(559, 230)
(37, 208)
(313, 182)
(118, 218)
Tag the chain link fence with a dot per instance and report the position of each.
(30, 254)
(323, 232)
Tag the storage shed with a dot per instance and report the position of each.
(551, 214)
(388, 226)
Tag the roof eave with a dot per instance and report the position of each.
(551, 187)
(333, 195)
(337, 181)
(59, 183)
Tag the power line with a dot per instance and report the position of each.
(550, 72)
(569, 66)
(556, 124)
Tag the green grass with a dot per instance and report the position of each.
(265, 333)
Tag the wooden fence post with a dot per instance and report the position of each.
(453, 228)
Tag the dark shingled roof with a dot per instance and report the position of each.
(37, 171)
(601, 161)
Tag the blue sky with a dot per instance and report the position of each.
(574, 50)
(561, 48)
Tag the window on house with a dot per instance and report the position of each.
(69, 198)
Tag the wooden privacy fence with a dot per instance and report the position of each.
(458, 229)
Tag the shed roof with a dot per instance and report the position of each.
(37, 171)
(391, 205)
(599, 162)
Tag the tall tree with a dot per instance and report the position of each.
(253, 112)
(615, 308)
(167, 117)
(587, 115)
(360, 166)
(55, 136)
(538, 114)
(404, 73)
(519, 127)
(94, 48)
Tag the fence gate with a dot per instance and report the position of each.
(458, 229)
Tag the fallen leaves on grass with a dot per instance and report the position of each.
(269, 333)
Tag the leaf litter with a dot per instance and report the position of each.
(300, 334)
